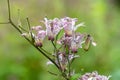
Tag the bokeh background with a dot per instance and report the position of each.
(20, 61)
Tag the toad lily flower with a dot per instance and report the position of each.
(94, 76)
(76, 42)
(69, 25)
(39, 35)
(65, 40)
(73, 42)
(52, 27)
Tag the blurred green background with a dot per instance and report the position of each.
(20, 61)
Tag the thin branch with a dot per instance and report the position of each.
(53, 73)
(69, 70)
(57, 37)
(9, 13)
(23, 29)
(29, 26)
(57, 55)
(45, 51)
(28, 23)
(68, 60)
(19, 22)
(4, 22)
(11, 22)
(54, 46)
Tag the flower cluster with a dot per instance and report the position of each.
(93, 76)
(65, 45)
(70, 41)
(53, 27)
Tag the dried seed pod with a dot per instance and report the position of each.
(87, 42)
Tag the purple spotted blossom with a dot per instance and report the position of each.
(69, 25)
(73, 42)
(52, 27)
(93, 76)
(65, 40)
(77, 41)
(39, 35)
(39, 38)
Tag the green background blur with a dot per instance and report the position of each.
(20, 61)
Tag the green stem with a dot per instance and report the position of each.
(28, 23)
(53, 73)
(54, 46)
(57, 37)
(23, 29)
(32, 37)
(9, 13)
(11, 22)
(69, 71)
(45, 51)
(4, 22)
(57, 55)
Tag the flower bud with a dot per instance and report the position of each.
(24, 34)
(36, 28)
(51, 38)
(74, 47)
(74, 50)
(38, 43)
(87, 42)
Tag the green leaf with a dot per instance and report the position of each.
(75, 77)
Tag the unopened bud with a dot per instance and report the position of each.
(74, 50)
(38, 43)
(51, 38)
(87, 42)
(25, 34)
(37, 28)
